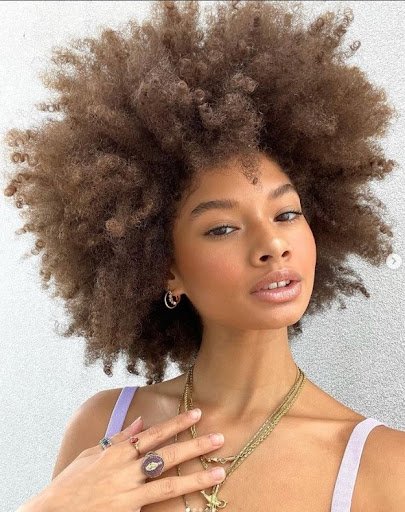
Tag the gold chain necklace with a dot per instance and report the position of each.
(214, 502)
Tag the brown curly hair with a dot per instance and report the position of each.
(140, 110)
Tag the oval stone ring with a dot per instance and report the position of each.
(152, 465)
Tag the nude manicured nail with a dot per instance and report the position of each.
(218, 473)
(217, 438)
(138, 419)
(195, 413)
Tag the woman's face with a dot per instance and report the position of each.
(218, 272)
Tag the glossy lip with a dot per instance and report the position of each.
(285, 274)
(280, 294)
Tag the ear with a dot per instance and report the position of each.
(174, 283)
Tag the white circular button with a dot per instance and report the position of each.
(393, 261)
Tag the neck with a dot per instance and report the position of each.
(240, 375)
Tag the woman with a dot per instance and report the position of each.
(193, 172)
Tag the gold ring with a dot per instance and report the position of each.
(135, 443)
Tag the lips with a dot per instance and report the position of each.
(284, 294)
(285, 274)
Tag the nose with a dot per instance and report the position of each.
(269, 243)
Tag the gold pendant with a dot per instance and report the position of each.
(213, 501)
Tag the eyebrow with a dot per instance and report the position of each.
(228, 204)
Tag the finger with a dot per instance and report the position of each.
(173, 486)
(134, 428)
(158, 434)
(175, 453)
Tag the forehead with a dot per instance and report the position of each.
(229, 180)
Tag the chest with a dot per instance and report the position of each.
(293, 470)
(285, 473)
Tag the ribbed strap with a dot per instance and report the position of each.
(120, 410)
(346, 479)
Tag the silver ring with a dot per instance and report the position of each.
(105, 443)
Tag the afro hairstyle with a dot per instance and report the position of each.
(139, 111)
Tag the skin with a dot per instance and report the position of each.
(217, 275)
(245, 367)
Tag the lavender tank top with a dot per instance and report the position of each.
(346, 478)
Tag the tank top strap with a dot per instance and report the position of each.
(120, 410)
(346, 479)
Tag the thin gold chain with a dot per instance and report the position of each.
(213, 501)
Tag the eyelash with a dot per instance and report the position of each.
(209, 233)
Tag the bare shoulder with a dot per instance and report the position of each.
(85, 427)
(104, 401)
(384, 464)
(99, 408)
(380, 482)
(95, 411)
(152, 402)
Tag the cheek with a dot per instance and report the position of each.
(208, 269)
(212, 273)
(304, 249)
(310, 247)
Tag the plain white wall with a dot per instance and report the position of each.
(357, 355)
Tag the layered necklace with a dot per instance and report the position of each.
(214, 502)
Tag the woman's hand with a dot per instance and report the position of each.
(103, 480)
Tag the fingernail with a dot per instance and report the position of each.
(218, 473)
(138, 419)
(195, 413)
(217, 438)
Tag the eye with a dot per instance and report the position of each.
(296, 213)
(226, 226)
(211, 231)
